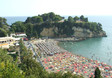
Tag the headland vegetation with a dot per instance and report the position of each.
(52, 25)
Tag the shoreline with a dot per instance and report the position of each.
(69, 39)
(77, 64)
(72, 39)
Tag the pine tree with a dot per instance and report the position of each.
(97, 73)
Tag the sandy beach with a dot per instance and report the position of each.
(56, 59)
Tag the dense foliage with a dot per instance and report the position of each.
(3, 27)
(33, 26)
(8, 67)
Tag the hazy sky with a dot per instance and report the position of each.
(62, 7)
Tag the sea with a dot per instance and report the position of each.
(93, 48)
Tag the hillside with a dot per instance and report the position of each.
(52, 25)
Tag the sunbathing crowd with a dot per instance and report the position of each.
(64, 61)
(76, 64)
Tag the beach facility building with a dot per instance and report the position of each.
(19, 35)
(6, 42)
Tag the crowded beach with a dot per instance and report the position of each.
(56, 59)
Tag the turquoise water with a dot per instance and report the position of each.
(94, 48)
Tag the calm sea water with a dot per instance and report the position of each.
(94, 48)
(11, 20)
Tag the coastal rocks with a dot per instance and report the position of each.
(86, 33)
(49, 32)
(81, 33)
(78, 33)
(101, 34)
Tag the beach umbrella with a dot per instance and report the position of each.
(83, 66)
(91, 60)
(79, 71)
(50, 62)
(106, 76)
(104, 63)
(44, 59)
(74, 72)
(45, 62)
(52, 66)
(106, 67)
(58, 70)
(46, 67)
(94, 66)
(48, 59)
(63, 68)
(65, 71)
(89, 76)
(91, 73)
(106, 70)
(85, 71)
(110, 71)
(75, 69)
(70, 67)
(102, 69)
(83, 62)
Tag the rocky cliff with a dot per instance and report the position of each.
(78, 32)
(86, 33)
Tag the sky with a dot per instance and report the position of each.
(61, 7)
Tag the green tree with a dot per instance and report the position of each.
(35, 34)
(3, 27)
(82, 18)
(58, 18)
(10, 70)
(28, 20)
(29, 30)
(23, 51)
(18, 27)
(67, 75)
(70, 19)
(76, 18)
(36, 19)
(4, 56)
(3, 33)
(51, 17)
(45, 17)
(97, 73)
(3, 22)
(86, 19)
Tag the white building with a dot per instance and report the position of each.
(19, 35)
(6, 42)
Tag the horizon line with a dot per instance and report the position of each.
(57, 14)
